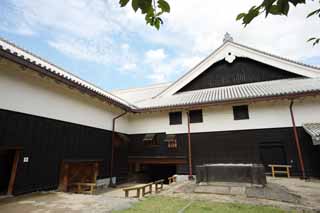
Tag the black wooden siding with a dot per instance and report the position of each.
(242, 70)
(234, 147)
(243, 147)
(47, 142)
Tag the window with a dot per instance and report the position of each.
(240, 112)
(150, 140)
(196, 116)
(172, 141)
(175, 118)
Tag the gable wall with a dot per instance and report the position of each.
(240, 71)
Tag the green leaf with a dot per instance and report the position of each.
(283, 6)
(135, 5)
(164, 6)
(123, 3)
(274, 10)
(240, 16)
(314, 13)
(296, 2)
(267, 4)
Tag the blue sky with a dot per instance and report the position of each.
(113, 48)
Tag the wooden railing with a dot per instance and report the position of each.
(275, 171)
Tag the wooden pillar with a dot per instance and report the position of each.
(13, 172)
(63, 185)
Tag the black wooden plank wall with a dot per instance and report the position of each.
(47, 142)
(242, 70)
(243, 147)
(234, 147)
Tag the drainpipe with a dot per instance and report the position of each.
(111, 184)
(189, 149)
(295, 132)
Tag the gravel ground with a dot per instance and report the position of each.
(58, 202)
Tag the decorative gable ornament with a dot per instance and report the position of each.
(230, 57)
(227, 37)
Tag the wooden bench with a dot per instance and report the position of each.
(172, 179)
(88, 188)
(274, 170)
(146, 189)
(158, 185)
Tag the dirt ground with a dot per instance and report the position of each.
(113, 199)
(58, 202)
(309, 191)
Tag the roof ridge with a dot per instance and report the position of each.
(245, 84)
(143, 87)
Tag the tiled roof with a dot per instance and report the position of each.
(313, 129)
(240, 92)
(53, 70)
(136, 95)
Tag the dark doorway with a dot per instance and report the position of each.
(6, 163)
(272, 154)
(153, 172)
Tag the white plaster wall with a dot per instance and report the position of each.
(274, 114)
(26, 92)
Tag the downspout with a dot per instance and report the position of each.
(111, 184)
(295, 132)
(189, 149)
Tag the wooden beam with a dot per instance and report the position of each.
(13, 172)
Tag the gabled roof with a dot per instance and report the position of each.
(266, 90)
(25, 58)
(228, 51)
(136, 95)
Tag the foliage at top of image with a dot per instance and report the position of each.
(153, 9)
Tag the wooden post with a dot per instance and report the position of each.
(65, 177)
(13, 171)
(272, 169)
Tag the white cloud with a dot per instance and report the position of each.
(130, 66)
(155, 55)
(102, 32)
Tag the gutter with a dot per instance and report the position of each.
(111, 184)
(296, 137)
(189, 149)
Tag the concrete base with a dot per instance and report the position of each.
(270, 191)
(182, 178)
(104, 183)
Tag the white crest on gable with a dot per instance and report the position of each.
(230, 57)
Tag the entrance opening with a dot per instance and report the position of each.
(6, 163)
(153, 172)
(78, 172)
(272, 154)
